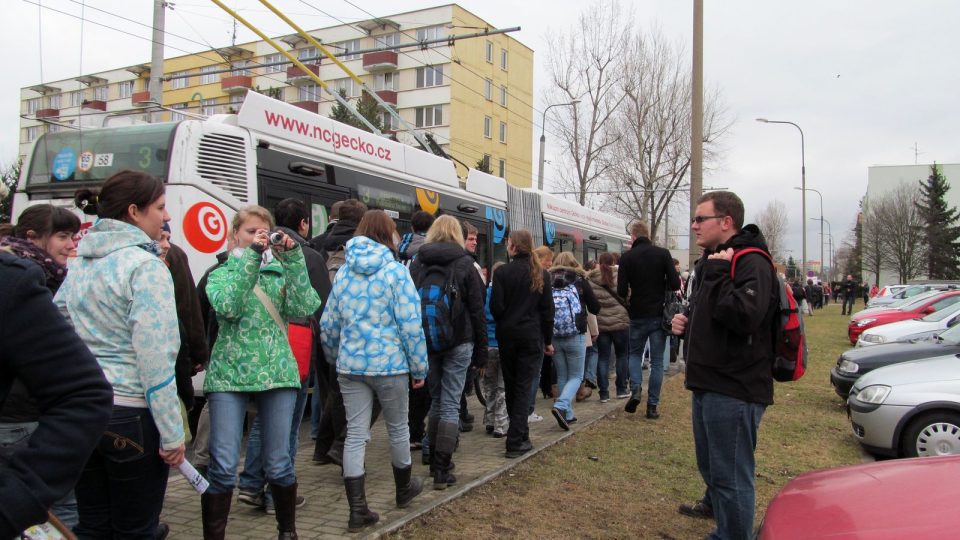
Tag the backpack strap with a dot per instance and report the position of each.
(742, 252)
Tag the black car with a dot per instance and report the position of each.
(855, 362)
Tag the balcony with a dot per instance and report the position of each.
(295, 75)
(48, 113)
(95, 104)
(236, 84)
(390, 96)
(380, 61)
(140, 98)
(312, 106)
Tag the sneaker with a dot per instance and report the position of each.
(634, 402)
(252, 498)
(534, 418)
(498, 435)
(572, 420)
(561, 421)
(604, 399)
(623, 395)
(652, 412)
(697, 510)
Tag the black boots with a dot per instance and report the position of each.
(407, 487)
(441, 454)
(360, 514)
(285, 502)
(214, 509)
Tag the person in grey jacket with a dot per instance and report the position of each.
(613, 322)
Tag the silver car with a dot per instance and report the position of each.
(909, 409)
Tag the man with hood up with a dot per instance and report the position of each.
(729, 359)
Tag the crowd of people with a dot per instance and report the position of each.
(815, 294)
(378, 324)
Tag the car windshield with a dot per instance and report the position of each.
(951, 335)
(909, 291)
(918, 300)
(942, 314)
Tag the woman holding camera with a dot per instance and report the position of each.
(263, 283)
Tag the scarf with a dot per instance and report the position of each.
(54, 272)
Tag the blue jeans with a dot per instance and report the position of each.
(608, 342)
(640, 331)
(590, 366)
(120, 491)
(448, 372)
(253, 478)
(568, 360)
(13, 437)
(725, 436)
(275, 413)
(358, 393)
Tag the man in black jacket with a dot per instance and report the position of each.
(729, 359)
(647, 273)
(41, 350)
(849, 289)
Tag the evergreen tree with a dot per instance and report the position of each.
(940, 227)
(483, 165)
(9, 176)
(366, 106)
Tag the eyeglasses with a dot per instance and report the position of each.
(701, 219)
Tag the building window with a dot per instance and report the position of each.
(308, 54)
(349, 86)
(177, 117)
(388, 40)
(309, 92)
(489, 55)
(503, 168)
(76, 98)
(346, 48)
(503, 59)
(208, 107)
(53, 128)
(33, 105)
(486, 161)
(55, 101)
(429, 33)
(429, 116)
(241, 67)
(100, 93)
(429, 76)
(503, 96)
(182, 82)
(388, 122)
(488, 89)
(503, 132)
(206, 75)
(488, 127)
(387, 81)
(32, 133)
(274, 59)
(126, 89)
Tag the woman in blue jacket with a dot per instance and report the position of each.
(372, 329)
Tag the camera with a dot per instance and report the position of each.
(276, 238)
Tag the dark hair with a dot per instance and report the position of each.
(468, 229)
(725, 203)
(606, 262)
(335, 210)
(377, 226)
(290, 213)
(522, 242)
(118, 193)
(352, 210)
(421, 221)
(46, 220)
(639, 229)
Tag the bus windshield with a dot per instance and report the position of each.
(91, 156)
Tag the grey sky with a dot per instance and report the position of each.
(865, 79)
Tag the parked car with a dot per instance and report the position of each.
(921, 306)
(886, 292)
(909, 498)
(909, 409)
(896, 304)
(914, 329)
(854, 363)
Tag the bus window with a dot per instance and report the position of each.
(560, 238)
(592, 251)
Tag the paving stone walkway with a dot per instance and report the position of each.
(480, 458)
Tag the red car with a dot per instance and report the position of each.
(914, 309)
(906, 498)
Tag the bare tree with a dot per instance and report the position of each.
(772, 221)
(872, 245)
(648, 165)
(900, 231)
(584, 64)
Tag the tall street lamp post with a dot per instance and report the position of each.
(821, 225)
(543, 137)
(803, 184)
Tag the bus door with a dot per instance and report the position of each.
(485, 248)
(318, 198)
(592, 250)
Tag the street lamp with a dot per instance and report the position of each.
(543, 137)
(821, 225)
(803, 184)
(822, 238)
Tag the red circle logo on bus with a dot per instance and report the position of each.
(205, 227)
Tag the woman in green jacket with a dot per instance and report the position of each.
(261, 285)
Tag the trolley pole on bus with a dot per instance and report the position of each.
(543, 137)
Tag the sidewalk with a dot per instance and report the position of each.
(479, 459)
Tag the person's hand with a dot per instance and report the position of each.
(548, 350)
(594, 338)
(261, 240)
(173, 457)
(285, 245)
(416, 384)
(679, 324)
(726, 255)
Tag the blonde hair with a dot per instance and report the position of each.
(569, 260)
(250, 211)
(445, 229)
(543, 251)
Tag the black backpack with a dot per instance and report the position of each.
(440, 304)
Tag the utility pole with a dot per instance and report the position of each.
(156, 60)
(696, 130)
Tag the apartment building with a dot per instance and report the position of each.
(473, 95)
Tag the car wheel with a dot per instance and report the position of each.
(933, 434)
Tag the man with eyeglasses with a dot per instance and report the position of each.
(729, 355)
(647, 273)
